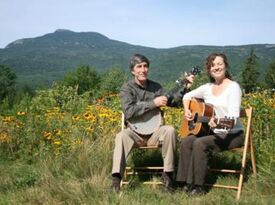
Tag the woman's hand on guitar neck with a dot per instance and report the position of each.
(160, 101)
(212, 123)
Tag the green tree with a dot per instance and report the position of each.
(84, 77)
(7, 82)
(200, 79)
(270, 75)
(112, 80)
(250, 73)
(23, 90)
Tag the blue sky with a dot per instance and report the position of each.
(152, 23)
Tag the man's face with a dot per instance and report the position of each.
(140, 72)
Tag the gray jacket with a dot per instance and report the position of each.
(136, 100)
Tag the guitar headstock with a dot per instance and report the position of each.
(194, 71)
(226, 123)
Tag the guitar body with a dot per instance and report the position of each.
(202, 112)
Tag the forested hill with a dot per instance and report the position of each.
(44, 59)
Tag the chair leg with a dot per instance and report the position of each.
(253, 159)
(124, 178)
(243, 167)
(242, 173)
(240, 184)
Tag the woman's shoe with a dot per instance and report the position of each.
(197, 191)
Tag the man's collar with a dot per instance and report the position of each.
(135, 83)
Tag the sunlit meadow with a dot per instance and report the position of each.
(56, 148)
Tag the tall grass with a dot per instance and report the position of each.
(57, 149)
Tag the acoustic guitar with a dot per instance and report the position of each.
(202, 113)
(150, 121)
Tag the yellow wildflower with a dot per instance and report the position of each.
(4, 137)
(8, 119)
(87, 114)
(102, 115)
(20, 113)
(78, 142)
(90, 129)
(57, 142)
(47, 135)
(76, 118)
(58, 132)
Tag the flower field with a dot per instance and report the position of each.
(59, 124)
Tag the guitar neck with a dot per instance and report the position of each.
(222, 123)
(181, 84)
(203, 119)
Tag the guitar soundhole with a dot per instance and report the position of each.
(196, 117)
(192, 124)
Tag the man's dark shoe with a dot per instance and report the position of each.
(197, 191)
(116, 184)
(167, 181)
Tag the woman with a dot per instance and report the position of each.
(225, 96)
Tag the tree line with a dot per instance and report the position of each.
(85, 78)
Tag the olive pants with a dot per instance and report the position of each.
(127, 139)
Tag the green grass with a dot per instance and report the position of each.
(34, 171)
(83, 177)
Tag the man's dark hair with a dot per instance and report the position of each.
(136, 59)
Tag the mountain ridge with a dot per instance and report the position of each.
(47, 58)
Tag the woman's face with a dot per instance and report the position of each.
(218, 68)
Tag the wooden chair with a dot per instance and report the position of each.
(245, 150)
(141, 170)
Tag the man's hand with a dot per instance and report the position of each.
(160, 101)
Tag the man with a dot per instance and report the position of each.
(139, 96)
